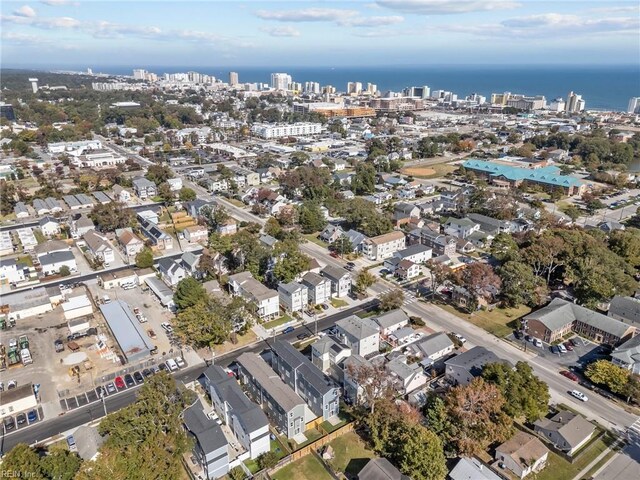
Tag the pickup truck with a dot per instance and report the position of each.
(25, 354)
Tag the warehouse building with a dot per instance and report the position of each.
(132, 340)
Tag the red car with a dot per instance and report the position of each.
(120, 383)
(568, 346)
(334, 254)
(569, 375)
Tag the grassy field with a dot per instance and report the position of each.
(277, 322)
(337, 303)
(430, 171)
(313, 237)
(499, 321)
(307, 468)
(26, 259)
(558, 467)
(243, 340)
(312, 435)
(351, 454)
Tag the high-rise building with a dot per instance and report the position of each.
(500, 98)
(139, 74)
(354, 87)
(574, 103)
(418, 92)
(372, 88)
(280, 81)
(89, 71)
(312, 87)
(34, 84)
(233, 79)
(634, 105)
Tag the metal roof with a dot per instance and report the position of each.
(126, 329)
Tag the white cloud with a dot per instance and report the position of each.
(372, 21)
(46, 23)
(306, 15)
(285, 31)
(25, 11)
(15, 38)
(608, 10)
(446, 7)
(59, 3)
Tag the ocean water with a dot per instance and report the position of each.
(608, 88)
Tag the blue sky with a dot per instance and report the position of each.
(57, 33)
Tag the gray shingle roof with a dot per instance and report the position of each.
(308, 370)
(389, 319)
(628, 352)
(627, 308)
(474, 360)
(380, 469)
(334, 273)
(571, 427)
(358, 327)
(435, 343)
(207, 432)
(312, 279)
(56, 257)
(412, 250)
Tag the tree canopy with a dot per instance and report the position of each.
(111, 216)
(188, 292)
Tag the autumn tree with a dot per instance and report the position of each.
(603, 372)
(476, 417)
(439, 275)
(375, 385)
(479, 278)
(520, 285)
(364, 280)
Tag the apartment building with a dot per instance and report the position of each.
(318, 287)
(294, 297)
(362, 335)
(246, 420)
(340, 280)
(269, 131)
(384, 246)
(210, 446)
(284, 407)
(297, 371)
(266, 300)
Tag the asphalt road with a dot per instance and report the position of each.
(46, 429)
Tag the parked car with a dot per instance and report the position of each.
(554, 349)
(59, 345)
(579, 395)
(32, 416)
(128, 379)
(324, 306)
(460, 338)
(167, 327)
(303, 336)
(163, 367)
(171, 363)
(137, 376)
(334, 254)
(152, 334)
(119, 382)
(562, 348)
(101, 392)
(180, 362)
(568, 346)
(21, 419)
(537, 342)
(9, 424)
(288, 330)
(569, 375)
(71, 442)
(147, 373)
(111, 388)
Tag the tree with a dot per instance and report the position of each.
(479, 278)
(364, 280)
(375, 385)
(61, 464)
(291, 263)
(159, 174)
(520, 285)
(364, 180)
(626, 244)
(267, 460)
(187, 194)
(23, 462)
(439, 275)
(525, 394)
(435, 413)
(144, 258)
(343, 245)
(361, 215)
(632, 390)
(165, 192)
(237, 473)
(476, 417)
(391, 300)
(111, 216)
(188, 292)
(603, 372)
(204, 324)
(64, 271)
(310, 217)
(7, 197)
(572, 212)
(418, 453)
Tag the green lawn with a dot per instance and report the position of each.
(558, 467)
(313, 237)
(312, 435)
(328, 427)
(277, 322)
(26, 259)
(351, 454)
(499, 321)
(337, 303)
(307, 468)
(40, 238)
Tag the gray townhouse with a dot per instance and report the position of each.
(210, 449)
(294, 296)
(362, 335)
(440, 243)
(297, 371)
(247, 421)
(340, 280)
(284, 407)
(144, 188)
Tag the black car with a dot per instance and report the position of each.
(303, 336)
(146, 373)
(138, 377)
(351, 265)
(21, 419)
(128, 379)
(101, 392)
(9, 424)
(75, 336)
(163, 367)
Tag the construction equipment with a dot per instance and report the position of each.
(23, 341)
(88, 365)
(3, 360)
(14, 357)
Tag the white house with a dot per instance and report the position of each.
(49, 226)
(51, 263)
(131, 244)
(319, 288)
(362, 335)
(12, 272)
(391, 321)
(196, 233)
(175, 184)
(460, 227)
(294, 297)
(120, 194)
(417, 253)
(340, 280)
(522, 454)
(435, 346)
(384, 246)
(99, 247)
(266, 300)
(409, 376)
(171, 271)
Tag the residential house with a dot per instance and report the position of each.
(175, 184)
(566, 430)
(403, 212)
(384, 246)
(51, 246)
(328, 352)
(492, 226)
(380, 469)
(244, 418)
(99, 247)
(340, 280)
(559, 317)
(196, 234)
(144, 188)
(129, 241)
(460, 227)
(331, 233)
(430, 207)
(80, 225)
(268, 241)
(244, 177)
(158, 238)
(120, 194)
(51, 263)
(150, 216)
(171, 271)
(409, 376)
(466, 299)
(471, 468)
(407, 270)
(228, 227)
(39, 206)
(297, 371)
(625, 309)
(101, 197)
(627, 355)
(391, 321)
(294, 297)
(453, 200)
(402, 336)
(12, 272)
(434, 347)
(191, 263)
(283, 406)
(416, 253)
(463, 368)
(210, 446)
(352, 385)
(356, 239)
(440, 243)
(21, 210)
(49, 226)
(197, 207)
(265, 299)
(609, 227)
(318, 287)
(522, 454)
(362, 335)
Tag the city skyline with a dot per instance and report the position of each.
(58, 33)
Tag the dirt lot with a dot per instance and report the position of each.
(418, 171)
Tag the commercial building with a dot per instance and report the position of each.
(297, 371)
(233, 79)
(247, 421)
(131, 338)
(27, 303)
(18, 399)
(161, 291)
(269, 131)
(335, 110)
(574, 103)
(625, 309)
(280, 81)
(284, 407)
(634, 105)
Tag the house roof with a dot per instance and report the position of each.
(380, 469)
(549, 175)
(387, 237)
(357, 327)
(399, 367)
(523, 448)
(462, 222)
(308, 370)
(573, 428)
(434, 343)
(391, 318)
(290, 287)
(88, 441)
(629, 352)
(208, 433)
(355, 237)
(125, 327)
(51, 246)
(56, 257)
(404, 207)
(472, 469)
(313, 279)
(412, 250)
(84, 221)
(252, 286)
(334, 273)
(561, 312)
(627, 308)
(474, 360)
(95, 241)
(44, 220)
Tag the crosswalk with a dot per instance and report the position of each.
(409, 297)
(633, 432)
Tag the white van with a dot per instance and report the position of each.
(173, 366)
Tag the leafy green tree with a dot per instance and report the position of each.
(111, 216)
(64, 271)
(364, 180)
(504, 247)
(361, 215)
(237, 473)
(291, 262)
(204, 324)
(23, 462)
(61, 464)
(144, 258)
(391, 300)
(525, 394)
(520, 285)
(343, 245)
(572, 212)
(626, 244)
(165, 192)
(188, 292)
(603, 372)
(159, 174)
(435, 413)
(418, 453)
(267, 460)
(310, 217)
(187, 194)
(364, 280)
(7, 197)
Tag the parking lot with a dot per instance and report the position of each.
(584, 353)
